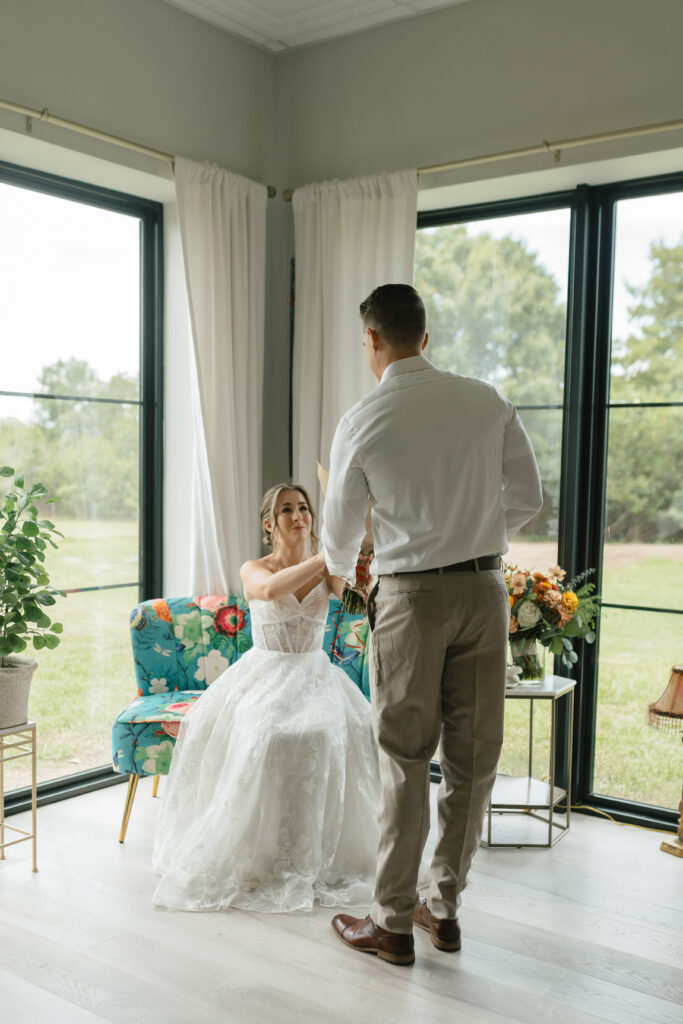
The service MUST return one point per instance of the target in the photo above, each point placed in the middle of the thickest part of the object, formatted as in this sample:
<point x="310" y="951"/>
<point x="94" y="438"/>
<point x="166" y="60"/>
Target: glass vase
<point x="529" y="656"/>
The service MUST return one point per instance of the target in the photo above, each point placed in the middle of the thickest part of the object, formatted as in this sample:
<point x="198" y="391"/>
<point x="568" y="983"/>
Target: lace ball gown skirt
<point x="271" y="802"/>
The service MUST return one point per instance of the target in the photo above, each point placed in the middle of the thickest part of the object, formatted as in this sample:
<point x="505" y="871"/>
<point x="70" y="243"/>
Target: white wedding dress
<point x="271" y="801"/>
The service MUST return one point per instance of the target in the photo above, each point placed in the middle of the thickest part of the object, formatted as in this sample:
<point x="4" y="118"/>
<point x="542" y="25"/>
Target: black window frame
<point x="151" y="405"/>
<point x="584" y="440"/>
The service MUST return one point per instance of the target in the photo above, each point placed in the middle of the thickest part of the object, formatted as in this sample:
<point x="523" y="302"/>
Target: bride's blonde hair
<point x="268" y="513"/>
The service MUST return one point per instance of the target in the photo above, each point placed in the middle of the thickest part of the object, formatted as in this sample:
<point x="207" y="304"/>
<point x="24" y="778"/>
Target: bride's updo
<point x="268" y="512"/>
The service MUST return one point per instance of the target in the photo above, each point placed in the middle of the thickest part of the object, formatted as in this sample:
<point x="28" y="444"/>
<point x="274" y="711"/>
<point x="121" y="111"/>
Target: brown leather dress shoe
<point x="444" y="932"/>
<point x="363" y="934"/>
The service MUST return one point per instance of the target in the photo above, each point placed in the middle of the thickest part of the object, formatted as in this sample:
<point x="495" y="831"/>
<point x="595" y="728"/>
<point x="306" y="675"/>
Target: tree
<point x="644" y="493"/>
<point x="86" y="452"/>
<point x="494" y="312"/>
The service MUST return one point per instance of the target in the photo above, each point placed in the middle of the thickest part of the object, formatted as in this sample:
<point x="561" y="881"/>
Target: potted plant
<point x="25" y="592"/>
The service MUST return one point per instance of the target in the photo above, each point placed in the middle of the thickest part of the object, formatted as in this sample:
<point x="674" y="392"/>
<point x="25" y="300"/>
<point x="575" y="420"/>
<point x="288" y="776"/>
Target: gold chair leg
<point x="130" y="797"/>
<point x="155" y="785"/>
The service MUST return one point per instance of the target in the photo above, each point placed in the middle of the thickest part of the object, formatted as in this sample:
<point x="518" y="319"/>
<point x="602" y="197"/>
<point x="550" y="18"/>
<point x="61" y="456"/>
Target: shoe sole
<point x="382" y="954"/>
<point x="445" y="947"/>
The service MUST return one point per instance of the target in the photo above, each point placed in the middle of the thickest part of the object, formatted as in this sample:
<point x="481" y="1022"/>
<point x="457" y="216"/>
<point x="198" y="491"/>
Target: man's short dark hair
<point x="396" y="312"/>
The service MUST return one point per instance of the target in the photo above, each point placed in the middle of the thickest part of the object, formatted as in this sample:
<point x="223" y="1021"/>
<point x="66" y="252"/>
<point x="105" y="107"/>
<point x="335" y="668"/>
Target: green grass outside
<point x="80" y="687"/>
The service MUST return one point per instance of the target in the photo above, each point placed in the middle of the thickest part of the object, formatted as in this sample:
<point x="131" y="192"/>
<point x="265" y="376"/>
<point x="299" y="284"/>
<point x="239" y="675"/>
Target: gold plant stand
<point x="18" y="741"/>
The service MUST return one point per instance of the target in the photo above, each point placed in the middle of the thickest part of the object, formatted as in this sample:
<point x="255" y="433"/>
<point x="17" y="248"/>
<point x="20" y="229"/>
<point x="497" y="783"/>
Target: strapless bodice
<point x="290" y="625"/>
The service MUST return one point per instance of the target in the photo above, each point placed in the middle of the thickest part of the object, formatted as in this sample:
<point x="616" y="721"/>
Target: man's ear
<point x="424" y="343"/>
<point x="374" y="338"/>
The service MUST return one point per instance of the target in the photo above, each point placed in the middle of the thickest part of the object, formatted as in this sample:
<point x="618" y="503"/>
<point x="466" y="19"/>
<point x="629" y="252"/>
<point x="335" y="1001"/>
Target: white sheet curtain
<point x="223" y="230"/>
<point x="350" y="237"/>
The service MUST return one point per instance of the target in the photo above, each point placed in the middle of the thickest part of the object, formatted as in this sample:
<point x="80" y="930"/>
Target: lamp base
<point x="674" y="846"/>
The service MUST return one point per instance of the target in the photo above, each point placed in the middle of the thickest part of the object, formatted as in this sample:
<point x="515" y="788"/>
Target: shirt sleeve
<point x="346" y="505"/>
<point x="522" y="491"/>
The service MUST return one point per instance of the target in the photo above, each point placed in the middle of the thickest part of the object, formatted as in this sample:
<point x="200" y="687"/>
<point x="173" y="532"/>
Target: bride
<point x="271" y="801"/>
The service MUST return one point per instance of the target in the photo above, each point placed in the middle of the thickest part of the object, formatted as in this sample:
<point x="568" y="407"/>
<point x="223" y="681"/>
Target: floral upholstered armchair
<point x="180" y="645"/>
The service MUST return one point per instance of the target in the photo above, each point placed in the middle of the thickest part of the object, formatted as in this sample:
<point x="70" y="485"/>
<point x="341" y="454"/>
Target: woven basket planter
<point x="15" y="685"/>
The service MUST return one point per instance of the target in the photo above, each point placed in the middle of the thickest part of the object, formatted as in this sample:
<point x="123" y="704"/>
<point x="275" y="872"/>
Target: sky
<point x="69" y="287"/>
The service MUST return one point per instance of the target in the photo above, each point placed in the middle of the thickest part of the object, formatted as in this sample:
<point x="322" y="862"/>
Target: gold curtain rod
<point x="93" y="133"/>
<point x="544" y="147"/>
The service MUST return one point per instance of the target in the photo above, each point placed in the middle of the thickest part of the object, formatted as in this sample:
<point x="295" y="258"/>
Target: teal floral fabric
<point x="180" y="645"/>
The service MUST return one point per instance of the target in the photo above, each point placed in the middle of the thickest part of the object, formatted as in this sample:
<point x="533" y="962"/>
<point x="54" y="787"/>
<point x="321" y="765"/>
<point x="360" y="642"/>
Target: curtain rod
<point x="72" y="126"/>
<point x="544" y="147"/>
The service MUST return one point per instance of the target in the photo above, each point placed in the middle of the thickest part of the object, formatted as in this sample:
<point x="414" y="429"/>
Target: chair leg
<point x="155" y="785"/>
<point x="130" y="797"/>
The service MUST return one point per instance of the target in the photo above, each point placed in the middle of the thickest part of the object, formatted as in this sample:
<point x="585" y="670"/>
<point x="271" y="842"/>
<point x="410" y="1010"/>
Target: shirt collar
<point x="409" y="365"/>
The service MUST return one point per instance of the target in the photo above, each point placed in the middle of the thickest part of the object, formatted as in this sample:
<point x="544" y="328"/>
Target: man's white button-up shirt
<point x="447" y="466"/>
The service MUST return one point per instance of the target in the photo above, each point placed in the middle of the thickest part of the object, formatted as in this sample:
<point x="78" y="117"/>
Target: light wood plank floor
<point x="588" y="931"/>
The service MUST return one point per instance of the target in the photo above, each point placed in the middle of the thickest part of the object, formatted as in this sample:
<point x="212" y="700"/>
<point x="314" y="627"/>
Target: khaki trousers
<point x="437" y="675"/>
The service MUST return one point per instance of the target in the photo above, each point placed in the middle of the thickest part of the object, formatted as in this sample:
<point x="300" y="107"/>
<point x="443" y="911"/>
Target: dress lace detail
<point x="272" y="798"/>
<point x="290" y="625"/>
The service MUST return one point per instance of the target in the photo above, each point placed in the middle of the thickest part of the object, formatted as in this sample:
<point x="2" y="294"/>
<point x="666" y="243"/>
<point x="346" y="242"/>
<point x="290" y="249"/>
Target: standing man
<point x="451" y="475"/>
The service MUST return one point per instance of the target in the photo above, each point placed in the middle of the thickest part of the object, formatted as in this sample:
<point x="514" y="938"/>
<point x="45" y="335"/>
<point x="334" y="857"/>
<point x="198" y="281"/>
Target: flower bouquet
<point x="545" y="610"/>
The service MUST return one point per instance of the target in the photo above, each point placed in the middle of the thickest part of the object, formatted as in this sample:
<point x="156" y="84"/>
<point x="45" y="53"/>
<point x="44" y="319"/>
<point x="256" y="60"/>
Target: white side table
<point x="18" y="741"/>
<point x="526" y="795"/>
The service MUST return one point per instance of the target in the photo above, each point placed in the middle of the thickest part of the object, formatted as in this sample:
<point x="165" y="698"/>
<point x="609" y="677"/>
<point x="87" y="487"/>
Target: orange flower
<point x="514" y="624"/>
<point x="162" y="610"/>
<point x="512" y="601"/>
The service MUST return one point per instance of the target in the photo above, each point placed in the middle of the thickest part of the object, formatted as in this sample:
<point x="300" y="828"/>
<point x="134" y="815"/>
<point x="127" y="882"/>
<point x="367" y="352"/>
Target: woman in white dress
<point x="271" y="801"/>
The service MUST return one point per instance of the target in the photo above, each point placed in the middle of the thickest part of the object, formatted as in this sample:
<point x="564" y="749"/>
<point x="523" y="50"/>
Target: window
<point x="80" y="410"/>
<point x="571" y="305"/>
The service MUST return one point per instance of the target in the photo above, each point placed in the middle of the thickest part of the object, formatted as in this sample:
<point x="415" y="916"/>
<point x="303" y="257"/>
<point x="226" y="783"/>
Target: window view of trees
<point x="87" y="451"/>
<point x="495" y="311"/>
<point x="70" y="415"/>
<point x="495" y="293"/>
<point x="643" y="534"/>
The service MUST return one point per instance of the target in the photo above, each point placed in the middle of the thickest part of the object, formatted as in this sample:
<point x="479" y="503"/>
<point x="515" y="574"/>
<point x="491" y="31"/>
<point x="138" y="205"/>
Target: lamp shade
<point x="667" y="712"/>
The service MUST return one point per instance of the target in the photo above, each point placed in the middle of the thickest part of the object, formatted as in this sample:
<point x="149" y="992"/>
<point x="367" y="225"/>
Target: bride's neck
<point x="288" y="556"/>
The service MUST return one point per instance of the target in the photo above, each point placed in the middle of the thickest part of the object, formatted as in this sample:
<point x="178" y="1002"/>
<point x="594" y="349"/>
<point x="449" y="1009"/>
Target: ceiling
<point x="279" y="25"/>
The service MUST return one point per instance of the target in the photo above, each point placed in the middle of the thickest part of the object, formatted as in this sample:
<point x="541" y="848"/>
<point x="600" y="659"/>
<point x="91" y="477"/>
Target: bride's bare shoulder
<point x="254" y="572"/>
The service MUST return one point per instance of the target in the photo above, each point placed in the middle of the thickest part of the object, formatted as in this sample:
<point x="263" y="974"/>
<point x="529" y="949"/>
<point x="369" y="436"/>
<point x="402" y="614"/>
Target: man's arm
<point x="522" y="492"/>
<point x="346" y="505"/>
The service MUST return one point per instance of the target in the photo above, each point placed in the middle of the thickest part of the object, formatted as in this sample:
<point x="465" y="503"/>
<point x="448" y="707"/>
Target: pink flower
<point x="517" y="583"/>
<point x="514" y="624"/>
<point x="552" y="597"/>
<point x="209" y="602"/>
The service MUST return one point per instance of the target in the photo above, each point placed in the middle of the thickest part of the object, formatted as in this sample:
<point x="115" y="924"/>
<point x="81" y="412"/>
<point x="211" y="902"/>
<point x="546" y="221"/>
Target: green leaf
<point x="45" y="598"/>
<point x="46" y="524"/>
<point x="19" y="480"/>
<point x="52" y="641"/>
<point x="39" y="642"/>
<point x="57" y="627"/>
<point x="6" y="471"/>
<point x="30" y="529"/>
<point x="590" y="637"/>
<point x="5" y="643"/>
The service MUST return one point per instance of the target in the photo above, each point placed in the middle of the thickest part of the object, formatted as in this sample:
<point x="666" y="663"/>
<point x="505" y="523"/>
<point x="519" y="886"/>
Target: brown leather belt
<point x="471" y="565"/>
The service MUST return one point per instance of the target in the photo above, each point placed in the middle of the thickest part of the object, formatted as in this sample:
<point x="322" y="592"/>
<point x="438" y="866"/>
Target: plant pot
<point x="529" y="656"/>
<point x="15" y="685"/>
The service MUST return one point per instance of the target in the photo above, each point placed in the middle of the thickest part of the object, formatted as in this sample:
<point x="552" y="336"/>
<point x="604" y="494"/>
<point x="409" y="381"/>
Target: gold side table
<point x="527" y="796"/>
<point x="18" y="741"/>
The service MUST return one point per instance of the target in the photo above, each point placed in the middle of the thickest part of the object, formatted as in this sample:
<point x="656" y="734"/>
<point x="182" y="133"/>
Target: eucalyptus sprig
<point x="25" y="589"/>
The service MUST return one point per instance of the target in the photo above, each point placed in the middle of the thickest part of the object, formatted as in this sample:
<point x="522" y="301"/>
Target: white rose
<point x="528" y="615"/>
